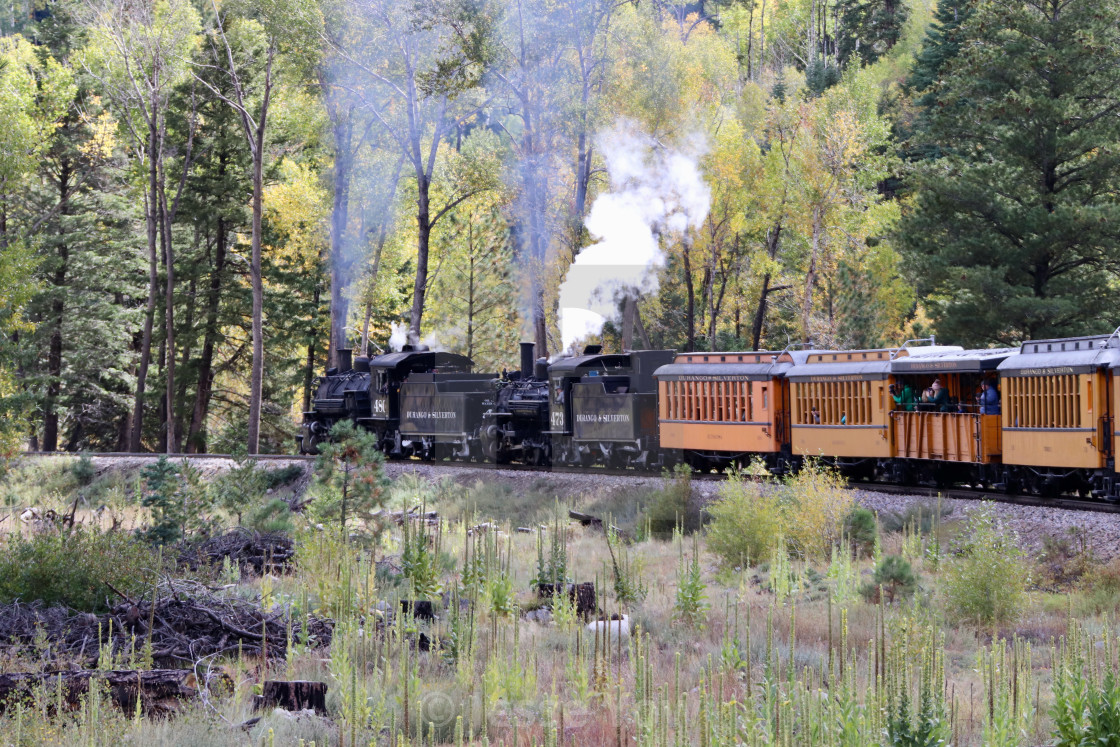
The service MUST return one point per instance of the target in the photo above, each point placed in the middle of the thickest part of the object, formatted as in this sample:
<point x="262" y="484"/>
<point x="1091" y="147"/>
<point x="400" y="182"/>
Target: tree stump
<point x="293" y="695"/>
<point x="582" y="596"/>
<point x="421" y="609"/>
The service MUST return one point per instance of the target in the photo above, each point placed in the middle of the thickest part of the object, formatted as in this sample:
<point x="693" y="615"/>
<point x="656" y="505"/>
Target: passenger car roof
<point x="858" y="364"/>
<point x="750" y="365"/>
<point x="1068" y="355"/>
<point x="953" y="361"/>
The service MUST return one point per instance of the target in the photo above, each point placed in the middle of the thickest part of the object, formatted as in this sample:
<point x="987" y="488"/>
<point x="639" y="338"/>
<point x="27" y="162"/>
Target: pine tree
<point x="941" y="45"/>
<point x="1013" y="233"/>
<point x="869" y="28"/>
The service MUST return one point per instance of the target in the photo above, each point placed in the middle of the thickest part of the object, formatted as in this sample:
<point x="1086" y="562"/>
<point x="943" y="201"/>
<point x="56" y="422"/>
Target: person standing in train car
<point x="904" y="398"/>
<point x="989" y="398"/>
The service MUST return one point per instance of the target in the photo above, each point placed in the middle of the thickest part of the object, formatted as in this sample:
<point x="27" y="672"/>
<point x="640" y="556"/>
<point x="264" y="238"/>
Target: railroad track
<point x="152" y="455"/>
<point x="1063" y="502"/>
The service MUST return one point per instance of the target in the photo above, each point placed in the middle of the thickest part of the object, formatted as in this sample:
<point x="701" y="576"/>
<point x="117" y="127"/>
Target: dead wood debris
<point x="254" y="552"/>
<point x="160" y="691"/>
<point x="189" y="621"/>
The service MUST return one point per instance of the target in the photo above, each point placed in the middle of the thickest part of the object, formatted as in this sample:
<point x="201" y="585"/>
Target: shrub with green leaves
<point x="83" y="470"/>
<point x="746" y="521"/>
<point x="690" y="604"/>
<point x="350" y="479"/>
<point x="672" y="506"/>
<point x="271" y="516"/>
<point x="807" y="509"/>
<point x="75" y="569"/>
<point x="1086" y="706"/>
<point x="894" y="578"/>
<point x="179" y="501"/>
<point x="239" y="489"/>
<point x="985" y="579"/>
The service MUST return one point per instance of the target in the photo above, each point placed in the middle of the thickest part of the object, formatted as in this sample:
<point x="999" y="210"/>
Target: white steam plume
<point x="654" y="191"/>
<point x="398" y="336"/>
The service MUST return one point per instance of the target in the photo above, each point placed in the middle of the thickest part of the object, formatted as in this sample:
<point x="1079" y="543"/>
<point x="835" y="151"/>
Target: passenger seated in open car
<point x="936" y="398"/>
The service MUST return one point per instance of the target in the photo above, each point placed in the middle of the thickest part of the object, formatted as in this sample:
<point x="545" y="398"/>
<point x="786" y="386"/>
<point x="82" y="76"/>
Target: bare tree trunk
<point x="340" y="214"/>
<point x="185" y="356"/>
<point x="196" y="442"/>
<point x="169" y="318"/>
<point x="690" y="308"/>
<point x="632" y="327"/>
<point x="470" y="292"/>
<point x="58" y="311"/>
<point x="811" y="276"/>
<point x="423" y="235"/>
<point x="760" y="313"/>
<point x="773" y="240"/>
<point x="379" y="248"/>
<point x="153" y="289"/>
<point x="309" y="366"/>
<point x="256" y="382"/>
<point x="750" y="42"/>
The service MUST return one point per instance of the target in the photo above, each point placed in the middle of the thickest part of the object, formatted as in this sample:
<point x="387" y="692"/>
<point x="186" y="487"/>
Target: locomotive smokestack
<point x="345" y="362"/>
<point x="526" y="360"/>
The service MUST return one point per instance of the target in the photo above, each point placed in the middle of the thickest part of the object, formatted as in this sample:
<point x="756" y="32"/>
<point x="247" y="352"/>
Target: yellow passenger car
<point x="840" y="403"/>
<point x="1057" y="419"/>
<point x="960" y="429"/>
<point x="722" y="407"/>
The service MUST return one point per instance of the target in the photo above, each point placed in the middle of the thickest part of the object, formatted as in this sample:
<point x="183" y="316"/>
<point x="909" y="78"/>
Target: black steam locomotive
<point x="594" y="408"/>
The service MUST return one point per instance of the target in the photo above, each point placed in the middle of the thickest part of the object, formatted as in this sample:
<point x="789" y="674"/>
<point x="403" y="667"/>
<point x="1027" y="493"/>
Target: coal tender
<point x="441" y="413"/>
<point x="603" y="408"/>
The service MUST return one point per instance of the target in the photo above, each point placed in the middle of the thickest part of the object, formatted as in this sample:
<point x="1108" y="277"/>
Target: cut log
<point x="161" y="691"/>
<point x="293" y="695"/>
<point x="585" y="519"/>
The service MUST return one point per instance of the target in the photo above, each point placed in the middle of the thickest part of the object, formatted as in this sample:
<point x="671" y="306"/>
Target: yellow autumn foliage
<point x="806" y="511"/>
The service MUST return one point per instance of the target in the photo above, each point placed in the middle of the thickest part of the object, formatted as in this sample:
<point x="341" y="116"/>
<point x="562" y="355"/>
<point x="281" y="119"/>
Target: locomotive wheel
<point x="489" y="445"/>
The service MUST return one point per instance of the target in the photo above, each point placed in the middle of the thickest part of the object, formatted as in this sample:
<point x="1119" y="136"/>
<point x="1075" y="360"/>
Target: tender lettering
<point x="601" y="418"/>
<point x="431" y="415"/>
<point x="930" y="366"/>
<point x="712" y="377"/>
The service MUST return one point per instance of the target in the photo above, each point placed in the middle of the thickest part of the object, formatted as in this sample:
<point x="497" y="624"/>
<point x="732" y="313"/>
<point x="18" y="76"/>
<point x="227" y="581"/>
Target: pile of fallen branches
<point x="254" y="552"/>
<point x="186" y="622"/>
